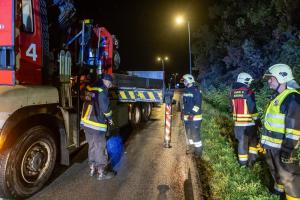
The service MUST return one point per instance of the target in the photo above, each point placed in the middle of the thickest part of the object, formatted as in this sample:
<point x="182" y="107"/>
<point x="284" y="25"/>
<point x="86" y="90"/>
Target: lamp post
<point x="162" y="60"/>
<point x="181" y="20"/>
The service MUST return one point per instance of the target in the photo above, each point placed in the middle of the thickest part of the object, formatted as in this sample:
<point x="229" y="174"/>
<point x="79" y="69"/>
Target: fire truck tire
<point x="146" y="111"/>
<point x="136" y="115"/>
<point x="27" y="166"/>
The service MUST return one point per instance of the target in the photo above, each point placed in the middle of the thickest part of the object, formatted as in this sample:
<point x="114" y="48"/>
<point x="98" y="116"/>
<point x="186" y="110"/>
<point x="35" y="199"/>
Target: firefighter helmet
<point x="244" y="78"/>
<point x="188" y="78"/>
<point x="282" y="72"/>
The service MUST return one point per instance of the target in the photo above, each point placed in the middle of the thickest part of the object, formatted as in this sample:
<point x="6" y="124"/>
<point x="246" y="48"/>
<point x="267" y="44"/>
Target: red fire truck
<point x="41" y="66"/>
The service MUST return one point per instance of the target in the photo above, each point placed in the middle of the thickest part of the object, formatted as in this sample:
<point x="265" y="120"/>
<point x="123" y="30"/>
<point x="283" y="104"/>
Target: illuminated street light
<point x="181" y="20"/>
<point x="162" y="60"/>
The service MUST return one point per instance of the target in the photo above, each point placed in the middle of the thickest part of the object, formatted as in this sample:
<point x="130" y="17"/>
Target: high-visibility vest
<point x="241" y="115"/>
<point x="275" y="122"/>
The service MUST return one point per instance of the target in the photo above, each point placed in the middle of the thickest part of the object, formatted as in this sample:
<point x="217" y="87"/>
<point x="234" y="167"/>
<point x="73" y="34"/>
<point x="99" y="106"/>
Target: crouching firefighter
<point x="281" y="132"/>
<point x="96" y="113"/>
<point x="245" y="119"/>
<point x="191" y="111"/>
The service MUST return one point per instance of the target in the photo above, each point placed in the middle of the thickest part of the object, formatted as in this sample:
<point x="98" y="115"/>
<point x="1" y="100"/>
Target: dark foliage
<point x="246" y="36"/>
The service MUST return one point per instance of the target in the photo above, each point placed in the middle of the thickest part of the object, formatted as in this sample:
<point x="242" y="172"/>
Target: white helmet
<point x="244" y="78"/>
<point x="188" y="78"/>
<point x="282" y="72"/>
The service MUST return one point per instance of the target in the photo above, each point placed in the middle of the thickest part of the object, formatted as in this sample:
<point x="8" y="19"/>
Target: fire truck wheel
<point x="146" y="111"/>
<point x="136" y="115"/>
<point x="28" y="164"/>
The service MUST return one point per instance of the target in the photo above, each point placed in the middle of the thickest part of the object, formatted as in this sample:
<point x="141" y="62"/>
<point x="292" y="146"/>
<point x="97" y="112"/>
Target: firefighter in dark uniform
<point x="96" y="113"/>
<point x="191" y="111"/>
<point x="281" y="132"/>
<point x="245" y="117"/>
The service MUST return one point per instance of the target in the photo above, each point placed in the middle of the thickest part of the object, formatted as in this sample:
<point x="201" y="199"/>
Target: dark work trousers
<point x="285" y="174"/>
<point x="247" y="142"/>
<point x="97" y="147"/>
<point x="192" y="129"/>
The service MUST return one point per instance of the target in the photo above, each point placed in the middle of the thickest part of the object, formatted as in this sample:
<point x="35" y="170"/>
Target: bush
<point x="218" y="98"/>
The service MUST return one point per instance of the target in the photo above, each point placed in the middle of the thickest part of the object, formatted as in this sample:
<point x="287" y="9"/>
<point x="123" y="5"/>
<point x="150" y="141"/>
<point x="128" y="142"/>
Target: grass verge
<point x="220" y="174"/>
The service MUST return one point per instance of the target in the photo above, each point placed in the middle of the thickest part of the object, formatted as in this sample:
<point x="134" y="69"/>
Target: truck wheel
<point x="136" y="115"/>
<point x="146" y="111"/>
<point x="26" y="167"/>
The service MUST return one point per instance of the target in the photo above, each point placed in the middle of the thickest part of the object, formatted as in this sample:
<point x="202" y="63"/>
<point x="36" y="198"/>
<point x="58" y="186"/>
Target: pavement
<point x="146" y="171"/>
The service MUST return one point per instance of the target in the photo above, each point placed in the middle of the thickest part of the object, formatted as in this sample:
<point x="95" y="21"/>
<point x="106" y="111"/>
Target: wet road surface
<point x="146" y="170"/>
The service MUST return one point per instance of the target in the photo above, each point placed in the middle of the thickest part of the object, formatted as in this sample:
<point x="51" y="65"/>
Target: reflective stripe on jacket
<point x="192" y="100"/>
<point x="279" y="127"/>
<point x="243" y="105"/>
<point x="96" y="111"/>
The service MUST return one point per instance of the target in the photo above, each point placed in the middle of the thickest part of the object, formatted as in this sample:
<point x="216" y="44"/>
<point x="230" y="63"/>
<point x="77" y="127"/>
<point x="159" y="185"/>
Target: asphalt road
<point x="146" y="170"/>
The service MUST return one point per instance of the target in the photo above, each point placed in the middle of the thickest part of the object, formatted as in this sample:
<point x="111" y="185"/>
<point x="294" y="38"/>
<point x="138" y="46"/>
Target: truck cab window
<point x="27" y="17"/>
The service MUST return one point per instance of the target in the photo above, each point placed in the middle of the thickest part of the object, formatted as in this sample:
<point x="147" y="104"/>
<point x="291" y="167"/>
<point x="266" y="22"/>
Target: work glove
<point x="258" y="123"/>
<point x="260" y="149"/>
<point x="229" y="109"/>
<point x="191" y="117"/>
<point x="111" y="122"/>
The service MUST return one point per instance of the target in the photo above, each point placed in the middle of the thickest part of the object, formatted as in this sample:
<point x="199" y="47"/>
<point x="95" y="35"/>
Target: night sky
<point x="146" y="29"/>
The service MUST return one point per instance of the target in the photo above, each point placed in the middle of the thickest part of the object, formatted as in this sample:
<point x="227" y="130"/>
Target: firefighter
<point x="96" y="113"/>
<point x="245" y="119"/>
<point x="191" y="111"/>
<point x="281" y="132"/>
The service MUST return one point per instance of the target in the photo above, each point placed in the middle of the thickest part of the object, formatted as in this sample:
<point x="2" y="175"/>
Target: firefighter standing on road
<point x="96" y="113"/>
<point x="245" y="119"/>
<point x="191" y="111"/>
<point x="281" y="132"/>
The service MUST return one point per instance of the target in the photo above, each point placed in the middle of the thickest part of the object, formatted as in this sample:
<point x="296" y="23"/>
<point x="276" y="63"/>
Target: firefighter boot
<point x="92" y="170"/>
<point x="104" y="174"/>
<point x="198" y="152"/>
<point x="167" y="144"/>
<point x="190" y="149"/>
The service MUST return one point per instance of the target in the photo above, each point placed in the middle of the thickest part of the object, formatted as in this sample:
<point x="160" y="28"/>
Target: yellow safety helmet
<point x="244" y="78"/>
<point x="188" y="78"/>
<point x="282" y="72"/>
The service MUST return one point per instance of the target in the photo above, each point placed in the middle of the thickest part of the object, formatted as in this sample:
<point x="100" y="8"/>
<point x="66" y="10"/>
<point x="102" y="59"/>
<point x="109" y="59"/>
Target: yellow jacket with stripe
<point x="282" y="122"/>
<point x="96" y="110"/>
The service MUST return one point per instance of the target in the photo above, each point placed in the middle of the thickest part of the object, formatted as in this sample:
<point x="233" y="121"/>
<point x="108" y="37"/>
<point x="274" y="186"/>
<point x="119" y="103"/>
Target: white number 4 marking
<point x="31" y="51"/>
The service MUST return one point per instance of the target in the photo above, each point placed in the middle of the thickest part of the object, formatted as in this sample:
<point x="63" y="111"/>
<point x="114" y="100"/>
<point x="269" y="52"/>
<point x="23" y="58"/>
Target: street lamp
<point x="162" y="60"/>
<point x="181" y="20"/>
